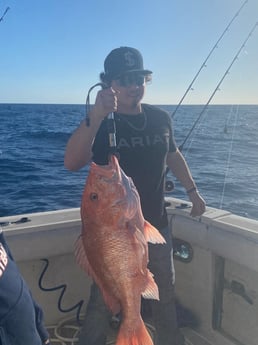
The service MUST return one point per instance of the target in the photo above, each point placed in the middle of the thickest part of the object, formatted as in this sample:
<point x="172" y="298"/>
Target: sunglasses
<point x="131" y="79"/>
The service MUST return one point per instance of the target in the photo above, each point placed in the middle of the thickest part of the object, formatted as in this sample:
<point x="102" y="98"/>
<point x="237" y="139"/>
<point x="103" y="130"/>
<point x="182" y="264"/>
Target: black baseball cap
<point x="123" y="60"/>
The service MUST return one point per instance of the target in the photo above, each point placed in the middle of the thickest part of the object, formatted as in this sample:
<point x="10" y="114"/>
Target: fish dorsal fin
<point x="151" y="291"/>
<point x="151" y="234"/>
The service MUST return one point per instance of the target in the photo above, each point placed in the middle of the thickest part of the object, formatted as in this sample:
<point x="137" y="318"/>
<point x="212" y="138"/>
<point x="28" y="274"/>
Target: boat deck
<point x="66" y="332"/>
<point x="216" y="264"/>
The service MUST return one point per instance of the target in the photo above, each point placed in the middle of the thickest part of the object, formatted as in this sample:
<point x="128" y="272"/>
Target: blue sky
<point x="52" y="51"/>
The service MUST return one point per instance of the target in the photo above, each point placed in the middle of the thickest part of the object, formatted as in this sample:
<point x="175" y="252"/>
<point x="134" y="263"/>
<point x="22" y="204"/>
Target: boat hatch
<point x="235" y="304"/>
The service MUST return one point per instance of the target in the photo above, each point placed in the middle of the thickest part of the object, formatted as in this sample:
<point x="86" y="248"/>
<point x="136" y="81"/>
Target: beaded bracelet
<point x="193" y="189"/>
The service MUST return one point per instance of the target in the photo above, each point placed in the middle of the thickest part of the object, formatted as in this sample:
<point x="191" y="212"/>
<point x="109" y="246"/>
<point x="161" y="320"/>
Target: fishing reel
<point x="169" y="186"/>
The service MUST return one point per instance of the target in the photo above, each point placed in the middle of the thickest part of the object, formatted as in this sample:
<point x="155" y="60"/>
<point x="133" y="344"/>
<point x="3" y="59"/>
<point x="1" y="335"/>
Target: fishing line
<point x="229" y="157"/>
<point x="194" y="136"/>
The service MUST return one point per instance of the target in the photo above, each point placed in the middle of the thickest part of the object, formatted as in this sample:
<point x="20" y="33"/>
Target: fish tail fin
<point x="151" y="234"/>
<point x="139" y="336"/>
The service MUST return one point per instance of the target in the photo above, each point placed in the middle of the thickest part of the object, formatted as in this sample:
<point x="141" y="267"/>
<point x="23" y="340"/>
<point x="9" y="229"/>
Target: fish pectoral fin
<point x="152" y="235"/>
<point x="151" y="291"/>
<point x="82" y="260"/>
<point x="81" y="257"/>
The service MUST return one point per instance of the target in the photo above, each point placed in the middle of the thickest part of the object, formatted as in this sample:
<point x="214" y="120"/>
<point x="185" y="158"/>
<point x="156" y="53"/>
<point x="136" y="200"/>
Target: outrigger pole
<point x="2" y="18"/>
<point x="218" y="86"/>
<point x="205" y="61"/>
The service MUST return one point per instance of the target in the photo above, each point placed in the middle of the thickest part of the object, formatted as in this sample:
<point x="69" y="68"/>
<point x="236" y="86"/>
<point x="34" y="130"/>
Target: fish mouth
<point x="110" y="172"/>
<point x="113" y="161"/>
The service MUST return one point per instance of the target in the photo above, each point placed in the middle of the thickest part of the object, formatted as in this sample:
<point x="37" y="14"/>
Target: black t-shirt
<point x="143" y="142"/>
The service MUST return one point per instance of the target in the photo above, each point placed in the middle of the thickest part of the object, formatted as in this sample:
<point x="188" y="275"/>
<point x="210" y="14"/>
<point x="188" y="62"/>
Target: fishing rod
<point x="207" y="58"/>
<point x="111" y="126"/>
<point x="2" y="18"/>
<point x="218" y="86"/>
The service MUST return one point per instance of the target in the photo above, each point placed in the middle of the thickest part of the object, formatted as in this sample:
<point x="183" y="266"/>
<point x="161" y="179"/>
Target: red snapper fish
<point x="113" y="250"/>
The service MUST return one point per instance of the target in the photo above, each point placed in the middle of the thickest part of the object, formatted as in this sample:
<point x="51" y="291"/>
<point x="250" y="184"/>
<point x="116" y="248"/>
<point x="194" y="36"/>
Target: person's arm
<point x="178" y="166"/>
<point x="78" y="150"/>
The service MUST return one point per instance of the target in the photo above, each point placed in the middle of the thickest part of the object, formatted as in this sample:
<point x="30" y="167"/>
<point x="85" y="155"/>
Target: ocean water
<point x="221" y="153"/>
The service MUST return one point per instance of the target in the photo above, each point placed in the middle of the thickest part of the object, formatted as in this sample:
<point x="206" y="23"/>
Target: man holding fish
<point x="117" y="219"/>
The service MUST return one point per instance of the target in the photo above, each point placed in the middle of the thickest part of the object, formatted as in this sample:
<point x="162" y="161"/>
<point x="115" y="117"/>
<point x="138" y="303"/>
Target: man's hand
<point x="199" y="206"/>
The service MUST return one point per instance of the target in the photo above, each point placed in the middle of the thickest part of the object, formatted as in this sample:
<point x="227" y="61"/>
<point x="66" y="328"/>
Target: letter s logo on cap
<point x="129" y="59"/>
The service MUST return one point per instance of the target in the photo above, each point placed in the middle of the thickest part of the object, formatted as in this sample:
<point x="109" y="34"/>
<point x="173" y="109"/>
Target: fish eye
<point x="93" y="196"/>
